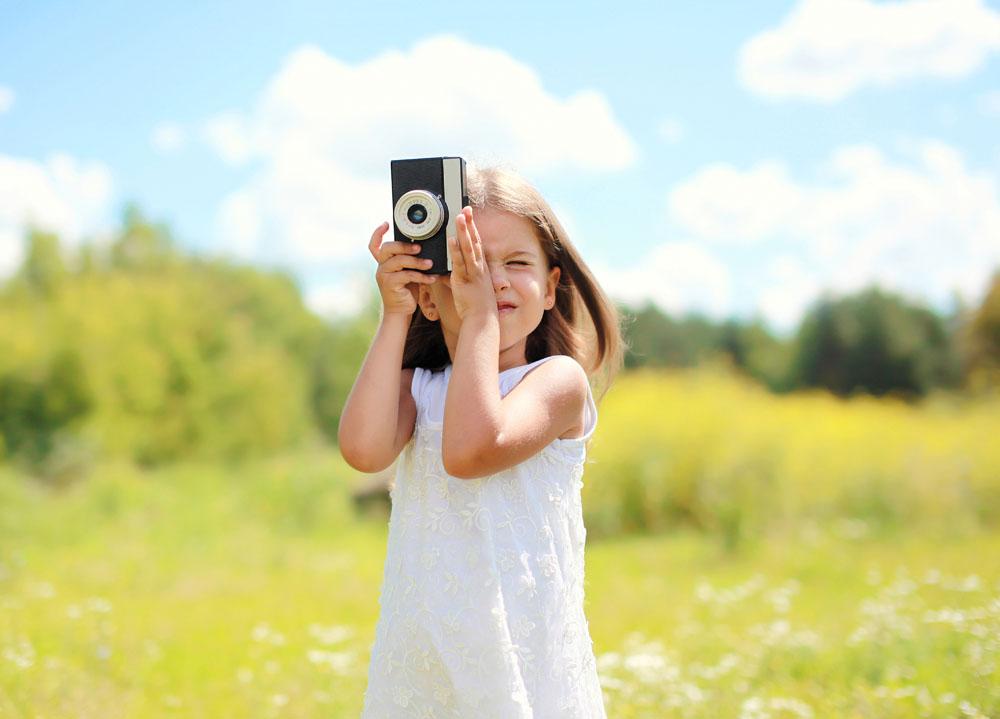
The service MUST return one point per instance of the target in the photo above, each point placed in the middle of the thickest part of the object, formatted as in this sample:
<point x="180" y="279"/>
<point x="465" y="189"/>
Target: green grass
<point x="251" y="591"/>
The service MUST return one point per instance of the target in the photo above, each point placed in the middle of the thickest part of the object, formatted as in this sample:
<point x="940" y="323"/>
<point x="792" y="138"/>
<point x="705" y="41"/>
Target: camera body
<point x="428" y="193"/>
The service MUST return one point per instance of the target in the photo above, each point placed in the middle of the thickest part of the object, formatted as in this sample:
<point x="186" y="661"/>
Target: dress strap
<point x="510" y="378"/>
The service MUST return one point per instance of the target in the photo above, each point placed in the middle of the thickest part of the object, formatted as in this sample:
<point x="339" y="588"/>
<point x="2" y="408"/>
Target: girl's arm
<point x="378" y="417"/>
<point x="483" y="433"/>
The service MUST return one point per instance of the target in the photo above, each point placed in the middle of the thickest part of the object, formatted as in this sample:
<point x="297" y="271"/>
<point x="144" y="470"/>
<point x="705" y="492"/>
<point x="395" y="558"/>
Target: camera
<point x="428" y="193"/>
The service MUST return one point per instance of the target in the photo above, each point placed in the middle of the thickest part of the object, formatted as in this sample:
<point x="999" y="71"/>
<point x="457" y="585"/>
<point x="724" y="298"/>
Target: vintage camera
<point x="427" y="195"/>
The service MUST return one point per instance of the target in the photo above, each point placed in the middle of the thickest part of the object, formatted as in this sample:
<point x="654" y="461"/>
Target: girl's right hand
<point x="397" y="284"/>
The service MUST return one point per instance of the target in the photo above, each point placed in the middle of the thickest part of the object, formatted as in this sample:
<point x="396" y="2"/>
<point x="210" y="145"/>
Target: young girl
<point x="484" y="390"/>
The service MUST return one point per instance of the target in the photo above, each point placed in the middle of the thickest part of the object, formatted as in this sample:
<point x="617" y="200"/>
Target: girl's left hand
<point x="471" y="282"/>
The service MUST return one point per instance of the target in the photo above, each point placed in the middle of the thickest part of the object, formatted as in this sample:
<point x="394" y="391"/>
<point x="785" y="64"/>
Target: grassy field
<point x="252" y="592"/>
<point x="749" y="556"/>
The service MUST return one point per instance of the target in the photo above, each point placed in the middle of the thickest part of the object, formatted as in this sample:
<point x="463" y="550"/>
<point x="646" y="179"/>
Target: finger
<point x="398" y="262"/>
<point x="390" y="249"/>
<point x="457" y="259"/>
<point x="414" y="276"/>
<point x="477" y="242"/>
<point x="376" y="241"/>
<point x="474" y="243"/>
<point x="465" y="240"/>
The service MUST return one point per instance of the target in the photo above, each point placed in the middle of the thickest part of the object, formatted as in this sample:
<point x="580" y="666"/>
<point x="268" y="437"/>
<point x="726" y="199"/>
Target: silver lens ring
<point x="431" y="224"/>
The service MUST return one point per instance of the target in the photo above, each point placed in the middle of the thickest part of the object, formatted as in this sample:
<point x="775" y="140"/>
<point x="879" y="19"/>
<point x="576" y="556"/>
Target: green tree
<point x="656" y="339"/>
<point x="146" y="352"/>
<point x="142" y="244"/>
<point x="43" y="270"/>
<point x="874" y="342"/>
<point x="337" y="361"/>
<point x="755" y="351"/>
<point x="659" y="340"/>
<point x="36" y="404"/>
<point x="982" y="337"/>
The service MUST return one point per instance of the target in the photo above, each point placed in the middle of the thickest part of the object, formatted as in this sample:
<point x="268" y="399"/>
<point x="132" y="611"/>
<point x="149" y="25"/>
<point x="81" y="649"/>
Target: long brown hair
<point x="584" y="323"/>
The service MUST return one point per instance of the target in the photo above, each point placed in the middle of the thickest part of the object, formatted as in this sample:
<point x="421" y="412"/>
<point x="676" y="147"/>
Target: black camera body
<point x="428" y="193"/>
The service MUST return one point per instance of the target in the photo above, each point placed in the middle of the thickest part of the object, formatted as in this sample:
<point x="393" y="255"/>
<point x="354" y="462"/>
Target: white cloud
<point x="61" y="195"/>
<point x="168" y="137"/>
<point x="321" y="135"/>
<point x="11" y="251"/>
<point x="6" y="99"/>
<point x="788" y="289"/>
<point x="826" y="49"/>
<point x="679" y="277"/>
<point x="722" y="202"/>
<point x="304" y="210"/>
<point x="927" y="228"/>
<point x="242" y="220"/>
<point x="228" y="136"/>
<point x="343" y="298"/>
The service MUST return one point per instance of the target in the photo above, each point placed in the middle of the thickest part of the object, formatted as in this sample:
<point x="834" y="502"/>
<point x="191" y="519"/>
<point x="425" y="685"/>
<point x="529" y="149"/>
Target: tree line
<point x="872" y="341"/>
<point x="134" y="348"/>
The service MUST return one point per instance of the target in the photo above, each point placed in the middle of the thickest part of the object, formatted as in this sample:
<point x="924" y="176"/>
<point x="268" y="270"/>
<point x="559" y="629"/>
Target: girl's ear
<point x="427" y="304"/>
<point x="550" y="287"/>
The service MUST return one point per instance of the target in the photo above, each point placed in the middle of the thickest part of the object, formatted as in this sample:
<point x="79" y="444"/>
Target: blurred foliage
<point x="38" y="403"/>
<point x="142" y="352"/>
<point x="874" y="342"/>
<point x="707" y="449"/>
<point x="982" y="340"/>
<point x="659" y="340"/>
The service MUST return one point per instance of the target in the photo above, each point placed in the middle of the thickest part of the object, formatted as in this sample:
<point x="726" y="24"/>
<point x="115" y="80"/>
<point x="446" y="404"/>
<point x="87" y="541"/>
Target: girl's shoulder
<point x="562" y="381"/>
<point x="429" y="386"/>
<point x="554" y="367"/>
<point x="562" y="363"/>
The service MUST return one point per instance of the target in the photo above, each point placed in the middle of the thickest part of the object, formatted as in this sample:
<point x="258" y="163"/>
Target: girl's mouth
<point x="505" y="307"/>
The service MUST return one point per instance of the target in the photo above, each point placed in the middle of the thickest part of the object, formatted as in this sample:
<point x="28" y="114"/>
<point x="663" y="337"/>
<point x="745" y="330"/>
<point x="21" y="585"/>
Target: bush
<point x="707" y="449"/>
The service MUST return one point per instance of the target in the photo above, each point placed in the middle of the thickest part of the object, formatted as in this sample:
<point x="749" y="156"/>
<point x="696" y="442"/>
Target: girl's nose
<point x="500" y="281"/>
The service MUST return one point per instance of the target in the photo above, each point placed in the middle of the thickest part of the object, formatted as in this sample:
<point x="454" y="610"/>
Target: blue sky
<point x="729" y="158"/>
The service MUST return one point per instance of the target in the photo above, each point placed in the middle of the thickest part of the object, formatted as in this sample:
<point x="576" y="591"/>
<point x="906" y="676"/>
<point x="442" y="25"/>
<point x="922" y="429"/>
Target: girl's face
<point x="524" y="285"/>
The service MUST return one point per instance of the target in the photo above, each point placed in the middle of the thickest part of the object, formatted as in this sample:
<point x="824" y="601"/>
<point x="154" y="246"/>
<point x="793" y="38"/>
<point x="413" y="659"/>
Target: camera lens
<point x="416" y="214"/>
<point x="419" y="214"/>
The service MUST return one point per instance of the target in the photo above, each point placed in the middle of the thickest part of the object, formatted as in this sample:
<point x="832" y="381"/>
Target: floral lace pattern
<point x="482" y="598"/>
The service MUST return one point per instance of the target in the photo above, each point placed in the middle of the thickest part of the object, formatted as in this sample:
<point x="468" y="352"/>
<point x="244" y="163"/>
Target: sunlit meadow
<point x="750" y="556"/>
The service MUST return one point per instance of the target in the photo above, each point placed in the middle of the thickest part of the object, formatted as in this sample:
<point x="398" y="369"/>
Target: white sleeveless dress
<point x="482" y="598"/>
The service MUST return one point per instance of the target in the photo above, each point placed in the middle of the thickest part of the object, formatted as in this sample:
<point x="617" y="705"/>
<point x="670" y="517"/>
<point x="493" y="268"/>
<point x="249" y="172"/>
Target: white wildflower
<point x="330" y="635"/>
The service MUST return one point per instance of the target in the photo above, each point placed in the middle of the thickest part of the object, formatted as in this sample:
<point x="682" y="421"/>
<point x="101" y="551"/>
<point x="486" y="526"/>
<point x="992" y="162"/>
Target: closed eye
<point x="518" y="262"/>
